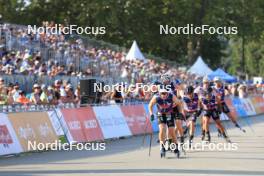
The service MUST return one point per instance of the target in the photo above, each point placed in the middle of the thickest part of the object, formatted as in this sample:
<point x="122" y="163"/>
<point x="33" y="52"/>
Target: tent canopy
<point x="134" y="53"/>
<point x="200" y="68"/>
<point x="223" y="75"/>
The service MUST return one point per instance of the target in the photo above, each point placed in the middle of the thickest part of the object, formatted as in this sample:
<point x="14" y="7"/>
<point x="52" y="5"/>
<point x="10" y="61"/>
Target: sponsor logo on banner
<point x="55" y="123"/>
<point x="112" y="121"/>
<point x="248" y="106"/>
<point x="231" y="107"/>
<point x="9" y="143"/>
<point x="136" y="119"/>
<point x="26" y="132"/>
<point x="90" y="124"/>
<point x="258" y="103"/>
<point x="74" y="125"/>
<point x="82" y="124"/>
<point x="32" y="127"/>
<point x="44" y="130"/>
<point x="5" y="137"/>
<point x="239" y="107"/>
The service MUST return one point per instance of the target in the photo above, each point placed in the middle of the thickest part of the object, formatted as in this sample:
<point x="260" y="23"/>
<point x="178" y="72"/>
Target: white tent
<point x="200" y="68"/>
<point x="134" y="53"/>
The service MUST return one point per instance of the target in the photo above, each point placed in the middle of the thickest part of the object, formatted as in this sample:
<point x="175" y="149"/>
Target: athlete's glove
<point x="152" y="117"/>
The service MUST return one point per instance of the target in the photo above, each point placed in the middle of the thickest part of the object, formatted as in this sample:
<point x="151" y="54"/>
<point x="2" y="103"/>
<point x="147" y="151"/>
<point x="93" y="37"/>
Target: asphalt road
<point x="128" y="157"/>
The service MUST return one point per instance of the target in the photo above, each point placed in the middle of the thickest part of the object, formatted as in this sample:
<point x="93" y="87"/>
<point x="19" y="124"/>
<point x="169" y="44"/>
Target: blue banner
<point x="155" y="124"/>
<point x="239" y="107"/>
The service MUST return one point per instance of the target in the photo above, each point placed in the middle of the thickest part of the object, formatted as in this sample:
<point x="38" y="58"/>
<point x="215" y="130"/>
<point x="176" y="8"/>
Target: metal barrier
<point x="48" y="107"/>
<point x="26" y="82"/>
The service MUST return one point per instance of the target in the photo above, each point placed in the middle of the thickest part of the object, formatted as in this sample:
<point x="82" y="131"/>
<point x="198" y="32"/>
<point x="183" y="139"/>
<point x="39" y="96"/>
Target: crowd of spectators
<point x="68" y="57"/>
<point x="58" y="93"/>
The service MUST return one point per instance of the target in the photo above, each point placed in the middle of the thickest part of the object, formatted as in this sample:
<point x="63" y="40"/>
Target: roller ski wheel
<point x="190" y="144"/>
<point x="168" y="143"/>
<point x="162" y="153"/>
<point x="208" y="139"/>
<point x="239" y="127"/>
<point x="177" y="153"/>
<point x="227" y="140"/>
<point x="202" y="137"/>
<point x="243" y="130"/>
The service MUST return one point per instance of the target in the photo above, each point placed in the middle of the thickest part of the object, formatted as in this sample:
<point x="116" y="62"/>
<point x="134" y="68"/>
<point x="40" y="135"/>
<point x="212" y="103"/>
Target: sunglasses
<point x="164" y="93"/>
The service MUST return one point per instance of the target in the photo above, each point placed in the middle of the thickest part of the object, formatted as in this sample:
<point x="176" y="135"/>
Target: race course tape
<point x="87" y="124"/>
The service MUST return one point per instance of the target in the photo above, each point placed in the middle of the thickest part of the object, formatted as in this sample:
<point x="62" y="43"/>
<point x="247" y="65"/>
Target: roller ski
<point x="208" y="137"/>
<point x="185" y="132"/>
<point x="239" y="127"/>
<point x="191" y="141"/>
<point x="177" y="152"/>
<point x="219" y="134"/>
<point x="181" y="145"/>
<point x="203" y="135"/>
<point x="226" y="138"/>
<point x="162" y="152"/>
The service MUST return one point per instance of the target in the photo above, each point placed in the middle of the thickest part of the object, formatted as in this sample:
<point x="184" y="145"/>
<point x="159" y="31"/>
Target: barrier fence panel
<point x="32" y="128"/>
<point x="137" y="119"/>
<point x="91" y="123"/>
<point x="155" y="124"/>
<point x="9" y="143"/>
<point x="55" y="123"/>
<point x="82" y="124"/>
<point x="112" y="121"/>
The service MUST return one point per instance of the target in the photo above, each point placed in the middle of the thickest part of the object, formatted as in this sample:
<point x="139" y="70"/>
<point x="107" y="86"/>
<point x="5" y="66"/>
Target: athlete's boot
<point x="203" y="135"/>
<point x="226" y="137"/>
<point x="169" y="141"/>
<point x="208" y="136"/>
<point x="177" y="151"/>
<point x="182" y="140"/>
<point x="219" y="133"/>
<point x="162" y="152"/>
<point x="185" y="131"/>
<point x="238" y="126"/>
<point x="190" y="141"/>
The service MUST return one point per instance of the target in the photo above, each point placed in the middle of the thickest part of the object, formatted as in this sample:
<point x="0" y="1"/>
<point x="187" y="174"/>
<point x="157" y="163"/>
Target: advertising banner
<point x="248" y="106"/>
<point x="112" y="121"/>
<point x="32" y="128"/>
<point x="258" y="103"/>
<point x="9" y="143"/>
<point x="63" y="124"/>
<point x="136" y="118"/>
<point x="55" y="123"/>
<point x="83" y="124"/>
<point x="231" y="107"/>
<point x="239" y="107"/>
<point x="155" y="124"/>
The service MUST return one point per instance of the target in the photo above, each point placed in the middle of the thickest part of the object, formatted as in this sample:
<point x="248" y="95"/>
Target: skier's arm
<point x="151" y="104"/>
